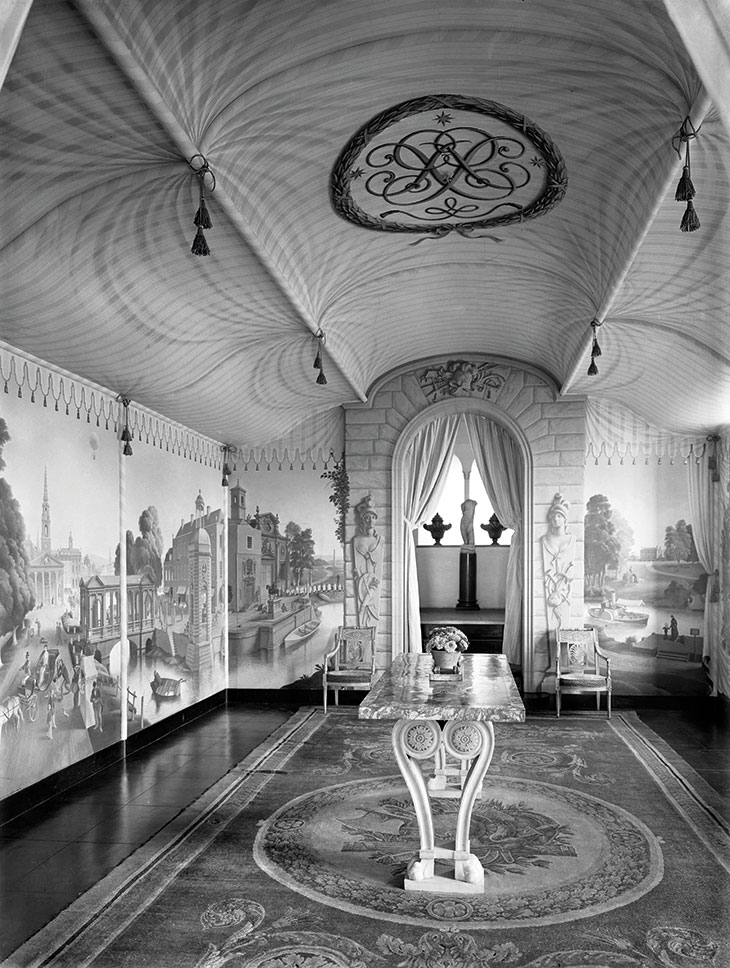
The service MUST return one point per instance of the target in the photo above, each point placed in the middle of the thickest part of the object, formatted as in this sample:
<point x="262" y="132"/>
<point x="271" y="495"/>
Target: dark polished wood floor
<point x="54" y="852"/>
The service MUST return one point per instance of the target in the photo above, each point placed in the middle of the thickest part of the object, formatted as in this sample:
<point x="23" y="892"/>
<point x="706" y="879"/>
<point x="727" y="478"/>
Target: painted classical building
<point x="245" y="576"/>
<point x="176" y="575"/>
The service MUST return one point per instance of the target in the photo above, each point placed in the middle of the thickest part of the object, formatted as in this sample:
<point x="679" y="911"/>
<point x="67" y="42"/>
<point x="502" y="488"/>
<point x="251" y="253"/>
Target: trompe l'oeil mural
<point x="286" y="578"/>
<point x="66" y="681"/>
<point x="644" y="587"/>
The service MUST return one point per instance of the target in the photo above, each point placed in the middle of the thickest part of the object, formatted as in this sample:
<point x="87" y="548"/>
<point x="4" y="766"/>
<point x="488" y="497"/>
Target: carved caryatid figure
<point x="558" y="562"/>
<point x="367" y="558"/>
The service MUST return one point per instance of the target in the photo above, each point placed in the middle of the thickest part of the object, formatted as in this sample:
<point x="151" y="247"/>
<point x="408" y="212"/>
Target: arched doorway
<point x="402" y="619"/>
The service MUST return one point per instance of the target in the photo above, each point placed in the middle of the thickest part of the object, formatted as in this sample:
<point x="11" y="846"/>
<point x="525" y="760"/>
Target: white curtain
<point x="707" y="509"/>
<point x="500" y="466"/>
<point x="425" y="468"/>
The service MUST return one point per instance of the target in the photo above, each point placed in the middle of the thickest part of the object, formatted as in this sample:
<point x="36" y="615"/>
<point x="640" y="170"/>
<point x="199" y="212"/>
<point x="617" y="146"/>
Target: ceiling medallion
<point x="445" y="163"/>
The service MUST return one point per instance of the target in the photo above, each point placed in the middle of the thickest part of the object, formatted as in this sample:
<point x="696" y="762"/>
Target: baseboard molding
<point x="716" y="707"/>
<point x="63" y="780"/>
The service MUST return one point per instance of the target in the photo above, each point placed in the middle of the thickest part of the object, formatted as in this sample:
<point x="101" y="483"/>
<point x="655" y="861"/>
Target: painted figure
<point x="98" y="707"/>
<point x="673" y="629"/>
<point x="558" y="559"/>
<point x="58" y="691"/>
<point x="467" y="522"/>
<point x="51" y="714"/>
<point x="367" y="557"/>
<point x="75" y="685"/>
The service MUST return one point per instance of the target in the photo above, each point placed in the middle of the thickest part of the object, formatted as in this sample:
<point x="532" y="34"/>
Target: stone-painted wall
<point x="553" y="440"/>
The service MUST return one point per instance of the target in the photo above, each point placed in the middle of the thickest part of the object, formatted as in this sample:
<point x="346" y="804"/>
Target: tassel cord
<point x="685" y="188"/>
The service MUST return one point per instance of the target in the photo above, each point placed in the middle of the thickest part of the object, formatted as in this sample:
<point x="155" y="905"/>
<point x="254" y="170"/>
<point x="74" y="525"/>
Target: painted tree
<point x="602" y="547"/>
<point x="624" y="534"/>
<point x="16" y="593"/>
<point x="679" y="544"/>
<point x="693" y="556"/>
<point x="301" y="550"/>
<point x="144" y="553"/>
<point x="130" y="555"/>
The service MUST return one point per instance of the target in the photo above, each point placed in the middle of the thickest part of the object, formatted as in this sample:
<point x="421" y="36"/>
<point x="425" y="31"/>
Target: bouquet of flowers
<point x="447" y="638"/>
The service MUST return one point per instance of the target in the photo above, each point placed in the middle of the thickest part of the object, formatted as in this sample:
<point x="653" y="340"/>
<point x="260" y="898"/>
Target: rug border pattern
<point x="105" y="910"/>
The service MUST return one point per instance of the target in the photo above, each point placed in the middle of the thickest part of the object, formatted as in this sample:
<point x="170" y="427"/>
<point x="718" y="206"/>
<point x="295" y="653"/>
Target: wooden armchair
<point x="578" y="666"/>
<point x="351" y="662"/>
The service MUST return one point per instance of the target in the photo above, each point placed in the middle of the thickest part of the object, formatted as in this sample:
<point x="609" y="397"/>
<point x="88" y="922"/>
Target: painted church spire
<point x="45" y="515"/>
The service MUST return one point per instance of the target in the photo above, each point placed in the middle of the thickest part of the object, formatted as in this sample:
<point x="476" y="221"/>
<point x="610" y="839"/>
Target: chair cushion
<point x="351" y="675"/>
<point x="582" y="679"/>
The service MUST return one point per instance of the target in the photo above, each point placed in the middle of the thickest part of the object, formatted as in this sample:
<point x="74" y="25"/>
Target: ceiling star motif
<point x="477" y="165"/>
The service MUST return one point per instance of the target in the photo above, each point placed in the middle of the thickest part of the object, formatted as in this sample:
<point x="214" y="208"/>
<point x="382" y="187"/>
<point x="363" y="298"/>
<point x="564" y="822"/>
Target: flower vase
<point x="445" y="661"/>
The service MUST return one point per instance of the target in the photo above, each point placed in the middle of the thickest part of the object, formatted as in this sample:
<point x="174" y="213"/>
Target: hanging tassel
<point x="200" y="246"/>
<point x="690" y="220"/>
<point x="202" y="219"/>
<point x="202" y="216"/>
<point x="685" y="189"/>
<point x="321" y="340"/>
<point x="126" y="435"/>
<point x="595" y="348"/>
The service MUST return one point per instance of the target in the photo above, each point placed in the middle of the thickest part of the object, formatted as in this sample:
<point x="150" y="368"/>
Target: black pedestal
<point x="468" y="580"/>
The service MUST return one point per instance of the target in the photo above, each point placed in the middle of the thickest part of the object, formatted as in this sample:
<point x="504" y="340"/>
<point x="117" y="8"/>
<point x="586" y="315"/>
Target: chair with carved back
<point x="350" y="664"/>
<point x="581" y="667"/>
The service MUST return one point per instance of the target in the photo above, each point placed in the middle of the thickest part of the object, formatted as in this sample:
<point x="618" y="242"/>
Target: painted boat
<point x="619" y="615"/>
<point x="302" y="633"/>
<point x="166" y="688"/>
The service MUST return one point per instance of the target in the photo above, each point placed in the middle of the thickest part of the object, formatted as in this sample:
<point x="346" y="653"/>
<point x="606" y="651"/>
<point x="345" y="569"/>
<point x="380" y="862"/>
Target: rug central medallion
<point x="444" y="163"/>
<point x="549" y="854"/>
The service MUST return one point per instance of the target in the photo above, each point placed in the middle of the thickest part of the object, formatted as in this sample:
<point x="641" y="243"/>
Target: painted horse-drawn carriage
<point x="13" y="708"/>
<point x="28" y="695"/>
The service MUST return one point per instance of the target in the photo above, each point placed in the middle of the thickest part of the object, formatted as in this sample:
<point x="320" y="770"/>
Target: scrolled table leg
<point x="413" y="740"/>
<point x="472" y="740"/>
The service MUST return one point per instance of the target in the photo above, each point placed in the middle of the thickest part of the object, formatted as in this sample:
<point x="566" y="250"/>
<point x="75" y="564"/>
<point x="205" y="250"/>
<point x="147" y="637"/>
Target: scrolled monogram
<point x="447" y="163"/>
<point x="463" y="173"/>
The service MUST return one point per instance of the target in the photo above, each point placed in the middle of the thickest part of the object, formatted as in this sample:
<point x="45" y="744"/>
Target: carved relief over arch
<point x="458" y="378"/>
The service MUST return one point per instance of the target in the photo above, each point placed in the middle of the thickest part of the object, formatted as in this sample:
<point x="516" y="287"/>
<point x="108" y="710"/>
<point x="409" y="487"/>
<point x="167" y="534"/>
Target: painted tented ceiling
<point x="107" y="108"/>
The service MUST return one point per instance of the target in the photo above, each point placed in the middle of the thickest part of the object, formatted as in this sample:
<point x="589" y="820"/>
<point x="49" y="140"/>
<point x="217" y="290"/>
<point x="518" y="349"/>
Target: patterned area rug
<point x="601" y="849"/>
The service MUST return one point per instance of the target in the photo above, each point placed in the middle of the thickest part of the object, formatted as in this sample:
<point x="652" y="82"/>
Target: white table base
<point x="471" y="742"/>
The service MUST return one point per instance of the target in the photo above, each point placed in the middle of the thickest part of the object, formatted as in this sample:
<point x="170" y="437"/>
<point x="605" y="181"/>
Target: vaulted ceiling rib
<point x="156" y="104"/>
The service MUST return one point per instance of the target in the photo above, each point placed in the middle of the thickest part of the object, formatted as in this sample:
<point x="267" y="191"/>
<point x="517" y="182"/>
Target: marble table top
<point x="487" y="691"/>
